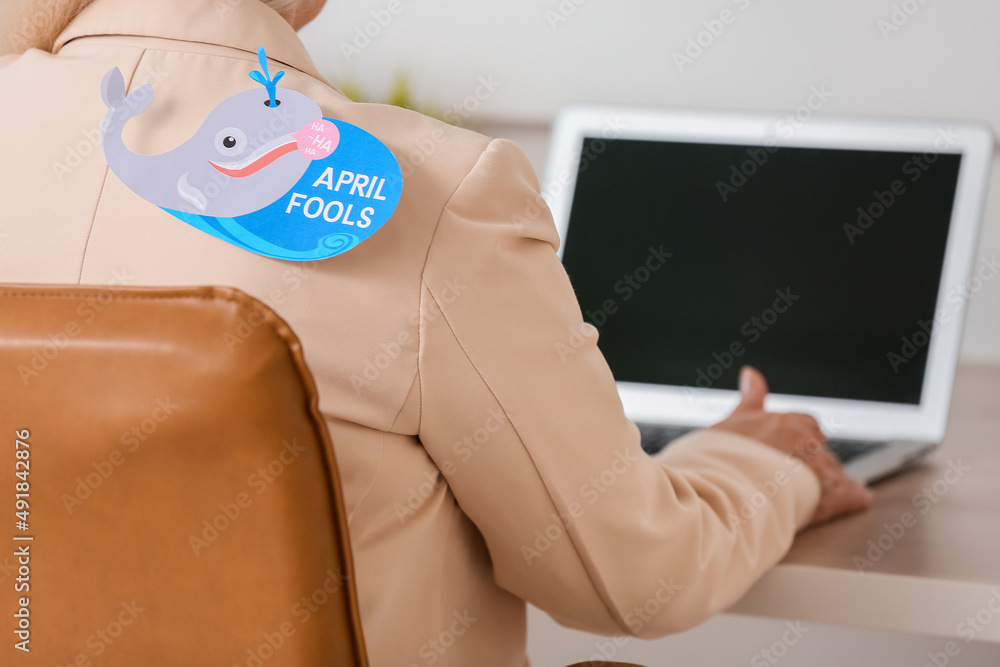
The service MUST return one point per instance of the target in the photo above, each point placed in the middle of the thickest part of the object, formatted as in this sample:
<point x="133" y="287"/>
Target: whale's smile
<point x="259" y="159"/>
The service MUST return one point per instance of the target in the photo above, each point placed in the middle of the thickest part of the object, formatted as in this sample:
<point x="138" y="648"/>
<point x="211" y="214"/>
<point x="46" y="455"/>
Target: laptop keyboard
<point x="657" y="436"/>
<point x="846" y="450"/>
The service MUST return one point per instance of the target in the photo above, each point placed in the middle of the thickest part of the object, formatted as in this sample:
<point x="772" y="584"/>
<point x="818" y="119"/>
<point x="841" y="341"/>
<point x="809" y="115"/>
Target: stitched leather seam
<point x="246" y="303"/>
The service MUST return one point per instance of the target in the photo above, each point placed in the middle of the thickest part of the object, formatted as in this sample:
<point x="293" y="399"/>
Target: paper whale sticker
<point x="266" y="171"/>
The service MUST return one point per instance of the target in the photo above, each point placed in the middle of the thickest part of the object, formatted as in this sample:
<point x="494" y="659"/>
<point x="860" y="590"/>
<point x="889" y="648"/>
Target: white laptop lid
<point x="773" y="260"/>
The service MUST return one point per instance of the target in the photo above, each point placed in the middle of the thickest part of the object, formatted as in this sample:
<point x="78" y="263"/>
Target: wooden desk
<point x="928" y="577"/>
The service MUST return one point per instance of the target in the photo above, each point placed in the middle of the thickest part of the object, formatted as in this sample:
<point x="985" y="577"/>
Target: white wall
<point x="943" y="62"/>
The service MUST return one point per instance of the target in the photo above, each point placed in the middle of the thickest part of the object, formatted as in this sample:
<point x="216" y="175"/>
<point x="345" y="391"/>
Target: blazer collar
<point x="238" y="24"/>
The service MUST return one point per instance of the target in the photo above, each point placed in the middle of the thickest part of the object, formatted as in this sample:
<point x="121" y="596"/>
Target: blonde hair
<point x="37" y="23"/>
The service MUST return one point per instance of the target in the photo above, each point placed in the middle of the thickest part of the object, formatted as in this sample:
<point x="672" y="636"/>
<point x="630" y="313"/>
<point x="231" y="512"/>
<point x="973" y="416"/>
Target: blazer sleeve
<point x="520" y="412"/>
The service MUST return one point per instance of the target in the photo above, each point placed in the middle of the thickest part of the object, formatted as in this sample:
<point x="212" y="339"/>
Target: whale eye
<point x="230" y="141"/>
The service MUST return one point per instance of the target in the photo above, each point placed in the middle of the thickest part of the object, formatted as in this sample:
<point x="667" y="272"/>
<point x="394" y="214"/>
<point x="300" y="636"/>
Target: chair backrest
<point x="181" y="503"/>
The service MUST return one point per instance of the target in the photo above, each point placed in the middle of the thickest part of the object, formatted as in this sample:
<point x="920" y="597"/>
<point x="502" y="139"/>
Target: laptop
<point x="836" y="255"/>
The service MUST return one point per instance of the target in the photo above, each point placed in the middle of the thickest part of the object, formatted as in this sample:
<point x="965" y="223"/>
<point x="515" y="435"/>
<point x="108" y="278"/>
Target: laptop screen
<point x="820" y="267"/>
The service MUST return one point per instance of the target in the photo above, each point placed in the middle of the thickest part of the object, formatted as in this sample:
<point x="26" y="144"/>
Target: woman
<point x="481" y="468"/>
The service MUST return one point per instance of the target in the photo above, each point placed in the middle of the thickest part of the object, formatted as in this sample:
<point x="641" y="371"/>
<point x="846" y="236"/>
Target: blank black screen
<point x="741" y="247"/>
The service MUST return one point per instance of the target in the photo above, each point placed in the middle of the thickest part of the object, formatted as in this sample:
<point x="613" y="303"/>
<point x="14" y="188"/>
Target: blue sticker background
<point x="317" y="218"/>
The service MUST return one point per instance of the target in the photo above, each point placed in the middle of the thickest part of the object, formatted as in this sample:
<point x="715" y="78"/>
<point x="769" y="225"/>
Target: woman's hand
<point x="798" y="435"/>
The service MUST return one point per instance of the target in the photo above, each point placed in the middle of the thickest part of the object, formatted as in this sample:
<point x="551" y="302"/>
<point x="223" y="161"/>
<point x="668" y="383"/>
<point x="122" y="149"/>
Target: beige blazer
<point x="483" y="464"/>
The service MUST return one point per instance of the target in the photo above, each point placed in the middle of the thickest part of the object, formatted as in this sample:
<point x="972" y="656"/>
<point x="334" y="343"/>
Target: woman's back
<point x="483" y="463"/>
<point x="69" y="219"/>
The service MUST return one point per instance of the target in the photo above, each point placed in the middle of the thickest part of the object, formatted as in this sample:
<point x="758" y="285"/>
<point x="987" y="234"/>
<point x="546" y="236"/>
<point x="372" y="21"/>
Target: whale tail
<point x="113" y="94"/>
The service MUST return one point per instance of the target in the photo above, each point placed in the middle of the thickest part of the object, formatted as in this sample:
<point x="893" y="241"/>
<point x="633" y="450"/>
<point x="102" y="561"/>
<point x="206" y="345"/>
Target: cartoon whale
<point x="243" y="157"/>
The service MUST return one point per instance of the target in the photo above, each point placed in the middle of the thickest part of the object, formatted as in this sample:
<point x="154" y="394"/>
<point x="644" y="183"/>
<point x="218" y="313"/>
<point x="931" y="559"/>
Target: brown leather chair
<point x="169" y="484"/>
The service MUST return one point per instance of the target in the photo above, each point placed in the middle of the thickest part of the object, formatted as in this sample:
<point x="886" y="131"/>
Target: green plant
<point x="400" y="95"/>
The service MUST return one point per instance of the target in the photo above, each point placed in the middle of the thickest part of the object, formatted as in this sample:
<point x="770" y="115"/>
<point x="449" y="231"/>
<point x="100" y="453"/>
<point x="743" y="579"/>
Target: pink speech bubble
<point x="318" y="139"/>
